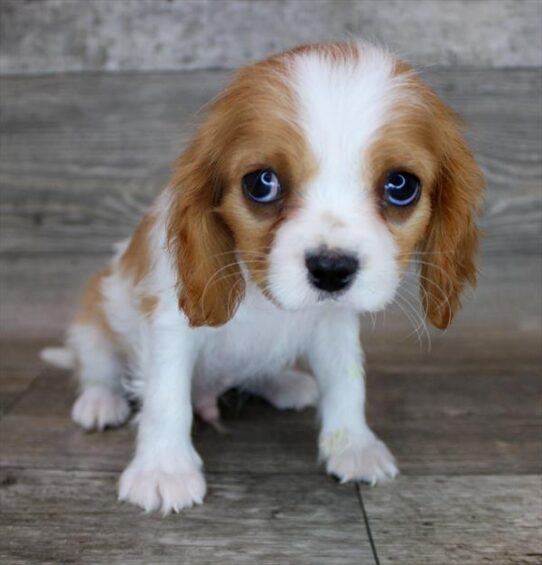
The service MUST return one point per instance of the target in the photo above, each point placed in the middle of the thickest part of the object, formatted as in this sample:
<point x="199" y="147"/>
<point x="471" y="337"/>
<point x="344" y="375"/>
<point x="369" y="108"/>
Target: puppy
<point x="314" y="179"/>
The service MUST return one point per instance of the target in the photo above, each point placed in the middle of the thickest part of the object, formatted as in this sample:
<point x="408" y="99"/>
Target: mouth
<point x="323" y="296"/>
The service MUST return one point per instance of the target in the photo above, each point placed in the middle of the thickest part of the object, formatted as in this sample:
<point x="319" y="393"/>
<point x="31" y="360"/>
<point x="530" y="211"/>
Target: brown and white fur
<point x="212" y="290"/>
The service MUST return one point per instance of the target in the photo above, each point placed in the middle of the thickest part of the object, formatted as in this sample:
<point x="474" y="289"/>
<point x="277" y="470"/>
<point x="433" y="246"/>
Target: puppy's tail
<point x="61" y="357"/>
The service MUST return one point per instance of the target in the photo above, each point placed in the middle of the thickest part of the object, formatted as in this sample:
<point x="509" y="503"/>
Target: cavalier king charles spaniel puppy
<point x="315" y="177"/>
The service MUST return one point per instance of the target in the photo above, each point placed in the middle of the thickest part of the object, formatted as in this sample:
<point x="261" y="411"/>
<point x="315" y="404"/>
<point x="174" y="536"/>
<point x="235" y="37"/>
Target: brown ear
<point x="210" y="281"/>
<point x="451" y="242"/>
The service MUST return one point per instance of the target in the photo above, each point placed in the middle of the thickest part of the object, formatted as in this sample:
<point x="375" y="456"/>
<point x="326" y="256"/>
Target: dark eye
<point x="402" y="189"/>
<point x="262" y="186"/>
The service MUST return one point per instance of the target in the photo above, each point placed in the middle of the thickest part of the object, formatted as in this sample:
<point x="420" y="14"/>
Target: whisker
<point x="409" y="254"/>
<point x="445" y="295"/>
<point x="406" y="313"/>
<point x="211" y="279"/>
<point x="422" y="320"/>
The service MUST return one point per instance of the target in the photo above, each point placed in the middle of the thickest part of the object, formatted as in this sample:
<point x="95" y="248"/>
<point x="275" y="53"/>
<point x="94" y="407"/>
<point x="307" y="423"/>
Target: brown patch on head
<point x="135" y="261"/>
<point x="406" y="143"/>
<point x="91" y="308"/>
<point x="251" y="126"/>
<point x="423" y="136"/>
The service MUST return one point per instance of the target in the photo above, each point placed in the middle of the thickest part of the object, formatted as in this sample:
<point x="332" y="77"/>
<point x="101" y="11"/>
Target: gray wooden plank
<point x="459" y="421"/>
<point x="13" y="384"/>
<point x="441" y="422"/>
<point x="73" y="517"/>
<point x="68" y="35"/>
<point x="79" y="168"/>
<point x="19" y="365"/>
<point x="39" y="296"/>
<point x="457" y="520"/>
<point x="97" y="152"/>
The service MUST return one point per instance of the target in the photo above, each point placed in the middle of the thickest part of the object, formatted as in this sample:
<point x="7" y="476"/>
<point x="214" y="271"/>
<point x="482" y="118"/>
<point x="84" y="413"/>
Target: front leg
<point x="348" y="446"/>
<point x="166" y="470"/>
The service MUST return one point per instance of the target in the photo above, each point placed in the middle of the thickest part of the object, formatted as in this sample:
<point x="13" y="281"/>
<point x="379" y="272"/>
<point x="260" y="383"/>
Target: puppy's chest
<point x="256" y="341"/>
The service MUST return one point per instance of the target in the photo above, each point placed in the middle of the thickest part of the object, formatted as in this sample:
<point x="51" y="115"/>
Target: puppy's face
<point x="323" y="170"/>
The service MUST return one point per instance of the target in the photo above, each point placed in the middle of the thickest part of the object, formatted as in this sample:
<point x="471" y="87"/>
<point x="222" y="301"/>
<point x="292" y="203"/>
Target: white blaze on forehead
<point x="341" y="104"/>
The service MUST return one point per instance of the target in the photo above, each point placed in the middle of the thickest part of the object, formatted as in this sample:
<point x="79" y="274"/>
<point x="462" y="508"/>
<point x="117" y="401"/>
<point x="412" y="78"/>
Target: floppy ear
<point x="210" y="281"/>
<point x="451" y="242"/>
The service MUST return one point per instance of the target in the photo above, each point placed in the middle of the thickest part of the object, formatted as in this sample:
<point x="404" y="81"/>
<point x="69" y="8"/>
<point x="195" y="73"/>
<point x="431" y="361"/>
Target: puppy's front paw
<point x="159" y="487"/>
<point x="369" y="461"/>
<point x="98" y="407"/>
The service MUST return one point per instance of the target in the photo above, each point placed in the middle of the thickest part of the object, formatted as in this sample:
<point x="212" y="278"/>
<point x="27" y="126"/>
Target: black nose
<point x="331" y="270"/>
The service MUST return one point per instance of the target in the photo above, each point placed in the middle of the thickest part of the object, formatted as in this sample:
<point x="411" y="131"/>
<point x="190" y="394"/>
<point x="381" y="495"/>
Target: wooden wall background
<point x="98" y="97"/>
<point x="43" y="36"/>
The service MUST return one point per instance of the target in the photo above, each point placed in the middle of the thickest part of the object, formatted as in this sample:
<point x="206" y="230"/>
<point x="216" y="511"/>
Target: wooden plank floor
<point x="80" y="158"/>
<point x="468" y="445"/>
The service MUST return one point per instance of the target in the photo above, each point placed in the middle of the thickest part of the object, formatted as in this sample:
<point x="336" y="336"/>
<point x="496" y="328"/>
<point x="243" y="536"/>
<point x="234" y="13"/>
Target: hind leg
<point x="291" y="389"/>
<point x="100" y="403"/>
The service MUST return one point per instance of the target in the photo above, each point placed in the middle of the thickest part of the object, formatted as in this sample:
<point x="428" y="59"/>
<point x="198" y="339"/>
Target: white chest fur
<point x="260" y="340"/>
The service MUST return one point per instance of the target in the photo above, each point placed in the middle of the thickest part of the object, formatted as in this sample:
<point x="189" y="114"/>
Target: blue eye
<point x="262" y="186"/>
<point x="401" y="188"/>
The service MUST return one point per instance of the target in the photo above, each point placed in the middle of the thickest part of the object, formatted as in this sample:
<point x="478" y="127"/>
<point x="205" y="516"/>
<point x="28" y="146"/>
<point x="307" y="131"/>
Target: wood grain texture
<point x="39" y="295"/>
<point x="69" y="35"/>
<point x="79" y="168"/>
<point x="73" y="517"/>
<point x="440" y="422"/>
<point x="444" y="520"/>
<point x="19" y="366"/>
<point x="267" y="499"/>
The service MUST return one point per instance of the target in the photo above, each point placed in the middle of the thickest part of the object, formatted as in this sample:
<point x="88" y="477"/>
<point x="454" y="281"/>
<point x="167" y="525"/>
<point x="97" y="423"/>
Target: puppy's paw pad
<point x="371" y="463"/>
<point x="157" y="489"/>
<point x="295" y="390"/>
<point x="99" y="407"/>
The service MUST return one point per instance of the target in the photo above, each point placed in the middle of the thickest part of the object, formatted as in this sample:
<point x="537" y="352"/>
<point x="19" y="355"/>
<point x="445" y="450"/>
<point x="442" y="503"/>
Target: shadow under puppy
<point x="314" y="179"/>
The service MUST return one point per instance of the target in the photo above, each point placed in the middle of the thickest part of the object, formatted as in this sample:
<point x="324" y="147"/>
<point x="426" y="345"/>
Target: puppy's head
<point x="318" y="173"/>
